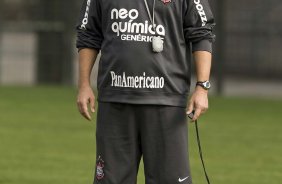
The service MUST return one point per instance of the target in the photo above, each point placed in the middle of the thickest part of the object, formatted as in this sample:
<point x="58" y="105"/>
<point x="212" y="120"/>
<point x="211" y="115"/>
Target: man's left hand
<point x="198" y="102"/>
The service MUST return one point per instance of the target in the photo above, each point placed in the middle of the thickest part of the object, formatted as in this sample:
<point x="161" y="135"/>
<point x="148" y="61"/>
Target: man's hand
<point x="86" y="97"/>
<point x="198" y="102"/>
<point x="199" y="99"/>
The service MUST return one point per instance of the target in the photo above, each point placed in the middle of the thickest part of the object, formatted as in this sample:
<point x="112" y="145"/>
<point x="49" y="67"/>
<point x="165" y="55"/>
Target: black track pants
<point x="126" y="132"/>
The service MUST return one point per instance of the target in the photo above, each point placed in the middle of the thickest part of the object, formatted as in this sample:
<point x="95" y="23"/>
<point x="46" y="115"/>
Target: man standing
<point x="143" y="84"/>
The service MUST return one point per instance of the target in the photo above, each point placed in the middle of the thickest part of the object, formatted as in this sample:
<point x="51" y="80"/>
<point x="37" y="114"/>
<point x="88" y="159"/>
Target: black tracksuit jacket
<point x="129" y="71"/>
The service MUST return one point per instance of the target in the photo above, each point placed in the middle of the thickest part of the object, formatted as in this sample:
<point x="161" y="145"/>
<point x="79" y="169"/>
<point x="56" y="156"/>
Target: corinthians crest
<point x="166" y="1"/>
<point x="100" y="168"/>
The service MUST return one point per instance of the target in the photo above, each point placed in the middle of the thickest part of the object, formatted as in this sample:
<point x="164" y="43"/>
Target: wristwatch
<point x="204" y="84"/>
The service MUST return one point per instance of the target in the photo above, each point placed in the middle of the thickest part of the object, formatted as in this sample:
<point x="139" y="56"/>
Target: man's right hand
<point x="86" y="98"/>
<point x="85" y="95"/>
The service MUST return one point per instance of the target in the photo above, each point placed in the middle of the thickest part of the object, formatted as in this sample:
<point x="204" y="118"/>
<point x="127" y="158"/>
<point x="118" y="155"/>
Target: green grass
<point x="44" y="140"/>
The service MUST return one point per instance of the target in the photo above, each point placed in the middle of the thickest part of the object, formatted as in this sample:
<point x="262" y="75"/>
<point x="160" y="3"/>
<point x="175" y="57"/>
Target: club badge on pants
<point x="100" y="168"/>
<point x="166" y="1"/>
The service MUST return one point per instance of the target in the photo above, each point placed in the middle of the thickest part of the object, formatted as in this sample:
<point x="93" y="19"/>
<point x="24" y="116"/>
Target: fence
<point x="50" y="23"/>
<point x="252" y="38"/>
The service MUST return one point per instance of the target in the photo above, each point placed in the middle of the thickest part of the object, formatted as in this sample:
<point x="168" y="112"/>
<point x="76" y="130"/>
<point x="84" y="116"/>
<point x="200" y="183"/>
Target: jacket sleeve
<point x="198" y="25"/>
<point x="89" y="26"/>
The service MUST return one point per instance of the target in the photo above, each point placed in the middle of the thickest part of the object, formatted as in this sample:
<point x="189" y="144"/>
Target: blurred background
<point x="44" y="140"/>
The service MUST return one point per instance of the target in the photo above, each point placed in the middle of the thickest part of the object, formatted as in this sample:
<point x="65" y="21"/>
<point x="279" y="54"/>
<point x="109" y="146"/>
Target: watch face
<point x="207" y="84"/>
